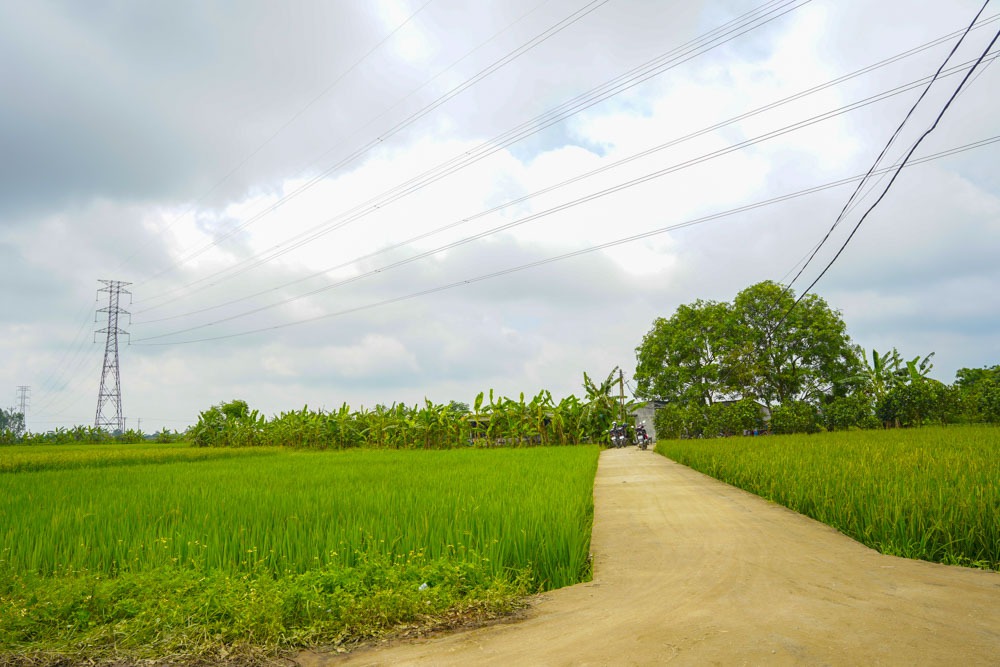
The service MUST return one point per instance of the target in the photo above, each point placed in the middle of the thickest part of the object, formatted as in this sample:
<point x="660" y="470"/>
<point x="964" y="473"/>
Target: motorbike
<point x="619" y="437"/>
<point x="623" y="435"/>
<point x="642" y="438"/>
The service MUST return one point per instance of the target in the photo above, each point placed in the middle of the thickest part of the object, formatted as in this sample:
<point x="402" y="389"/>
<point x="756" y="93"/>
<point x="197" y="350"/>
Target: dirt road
<point x="691" y="571"/>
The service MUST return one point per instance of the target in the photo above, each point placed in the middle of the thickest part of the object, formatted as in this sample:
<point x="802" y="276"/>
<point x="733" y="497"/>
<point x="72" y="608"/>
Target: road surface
<point x="691" y="571"/>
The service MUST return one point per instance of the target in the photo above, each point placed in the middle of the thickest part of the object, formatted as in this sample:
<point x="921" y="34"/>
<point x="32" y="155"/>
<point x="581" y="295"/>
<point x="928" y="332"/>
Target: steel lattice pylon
<point x="111" y="386"/>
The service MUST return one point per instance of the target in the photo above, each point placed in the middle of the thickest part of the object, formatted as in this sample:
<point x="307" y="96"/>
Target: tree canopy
<point x="11" y="423"/>
<point x="756" y="347"/>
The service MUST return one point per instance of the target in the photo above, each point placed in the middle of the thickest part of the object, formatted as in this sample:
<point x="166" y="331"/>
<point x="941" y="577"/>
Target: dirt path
<point x="692" y="571"/>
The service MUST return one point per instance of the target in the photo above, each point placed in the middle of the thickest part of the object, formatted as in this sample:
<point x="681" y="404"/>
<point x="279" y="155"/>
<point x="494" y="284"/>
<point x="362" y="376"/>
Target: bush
<point x="709" y="421"/>
<point x="848" y="412"/>
<point x="795" y="417"/>
<point x="230" y="424"/>
<point x="914" y="404"/>
<point x="989" y="404"/>
<point x="669" y="422"/>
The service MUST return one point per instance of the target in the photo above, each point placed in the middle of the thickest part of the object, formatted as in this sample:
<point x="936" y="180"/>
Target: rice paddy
<point x="150" y="546"/>
<point x="930" y="493"/>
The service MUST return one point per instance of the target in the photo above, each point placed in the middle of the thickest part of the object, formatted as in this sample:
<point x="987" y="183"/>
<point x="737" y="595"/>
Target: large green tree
<point x="757" y="347"/>
<point x="784" y="353"/>
<point x="682" y="358"/>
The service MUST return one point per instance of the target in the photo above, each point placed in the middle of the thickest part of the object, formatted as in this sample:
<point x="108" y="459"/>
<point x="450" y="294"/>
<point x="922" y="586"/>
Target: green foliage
<point x="164" y="436"/>
<point x="172" y="616"/>
<point x="256" y="549"/>
<point x="927" y="493"/>
<point x="737" y="417"/>
<point x="603" y="405"/>
<point x="708" y="421"/>
<point x="683" y="359"/>
<point x="781" y="354"/>
<point x="845" y="413"/>
<point x="920" y="401"/>
<point x="496" y="421"/>
<point x="977" y="394"/>
<point x="670" y="421"/>
<point x="795" y="417"/>
<point x="79" y="435"/>
<point x="230" y="424"/>
<point x="881" y="374"/>
<point x="11" y="426"/>
<point x="757" y="348"/>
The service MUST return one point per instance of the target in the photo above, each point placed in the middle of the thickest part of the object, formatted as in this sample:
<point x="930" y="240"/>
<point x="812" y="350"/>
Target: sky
<point x="363" y="202"/>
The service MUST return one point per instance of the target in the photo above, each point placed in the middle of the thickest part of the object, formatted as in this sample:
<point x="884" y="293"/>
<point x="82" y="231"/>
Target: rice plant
<point x="144" y="552"/>
<point x="929" y="493"/>
<point x="24" y="458"/>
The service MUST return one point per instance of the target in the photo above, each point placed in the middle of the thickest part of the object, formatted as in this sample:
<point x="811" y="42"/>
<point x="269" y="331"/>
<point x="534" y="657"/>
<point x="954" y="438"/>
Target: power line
<point x="898" y="169"/>
<point x="583" y="251"/>
<point x="631" y="78"/>
<point x="285" y="125"/>
<point x="406" y="122"/>
<point x="68" y="357"/>
<point x="885" y="149"/>
<point x="562" y="207"/>
<point x="312" y="234"/>
<point x="591" y="173"/>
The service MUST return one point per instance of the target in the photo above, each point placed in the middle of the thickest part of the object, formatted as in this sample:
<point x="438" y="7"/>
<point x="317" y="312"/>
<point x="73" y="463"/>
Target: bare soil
<point x="692" y="571"/>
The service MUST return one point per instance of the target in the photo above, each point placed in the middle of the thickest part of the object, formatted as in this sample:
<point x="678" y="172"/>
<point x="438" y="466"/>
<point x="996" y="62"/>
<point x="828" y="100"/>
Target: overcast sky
<point x="289" y="185"/>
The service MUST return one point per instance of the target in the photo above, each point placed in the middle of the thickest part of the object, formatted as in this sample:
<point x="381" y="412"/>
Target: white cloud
<point x="921" y="274"/>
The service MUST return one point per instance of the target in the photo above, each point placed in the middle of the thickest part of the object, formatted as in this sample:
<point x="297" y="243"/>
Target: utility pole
<point x="621" y="393"/>
<point x="111" y="386"/>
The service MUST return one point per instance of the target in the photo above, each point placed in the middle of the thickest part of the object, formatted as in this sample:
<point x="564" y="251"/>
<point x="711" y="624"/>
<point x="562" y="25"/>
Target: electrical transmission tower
<point x="23" y="396"/>
<point x="111" y="386"/>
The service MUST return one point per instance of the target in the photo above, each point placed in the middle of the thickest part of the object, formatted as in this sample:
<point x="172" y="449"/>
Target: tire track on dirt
<point x="689" y="570"/>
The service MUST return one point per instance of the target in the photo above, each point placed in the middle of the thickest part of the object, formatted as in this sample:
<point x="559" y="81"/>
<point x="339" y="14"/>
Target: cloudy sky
<point x="311" y="199"/>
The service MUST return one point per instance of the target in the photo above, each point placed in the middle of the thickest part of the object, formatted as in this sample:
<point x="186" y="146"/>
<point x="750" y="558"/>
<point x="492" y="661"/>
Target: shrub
<point x="913" y="404"/>
<point x="847" y="412"/>
<point x="669" y="421"/>
<point x="795" y="417"/>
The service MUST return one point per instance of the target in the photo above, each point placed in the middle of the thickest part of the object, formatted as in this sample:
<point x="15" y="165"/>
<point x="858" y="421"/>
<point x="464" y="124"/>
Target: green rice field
<point x="931" y="493"/>
<point x="61" y="457"/>
<point x="149" y="550"/>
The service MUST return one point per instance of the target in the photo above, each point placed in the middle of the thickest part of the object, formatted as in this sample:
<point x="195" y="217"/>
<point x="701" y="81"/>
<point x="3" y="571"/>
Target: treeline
<point x="492" y="421"/>
<point x="75" y="435"/>
<point x="765" y="362"/>
<point x="13" y="432"/>
<point x="974" y="398"/>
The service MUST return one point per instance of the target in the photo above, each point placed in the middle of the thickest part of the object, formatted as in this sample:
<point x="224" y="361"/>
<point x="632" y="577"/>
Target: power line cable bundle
<point x="577" y="253"/>
<point x="642" y="154"/>
<point x="898" y="168"/>
<point x="699" y="46"/>
<point x="562" y="207"/>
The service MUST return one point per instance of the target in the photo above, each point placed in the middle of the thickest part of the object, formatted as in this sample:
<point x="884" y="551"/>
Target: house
<point x="645" y="413"/>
